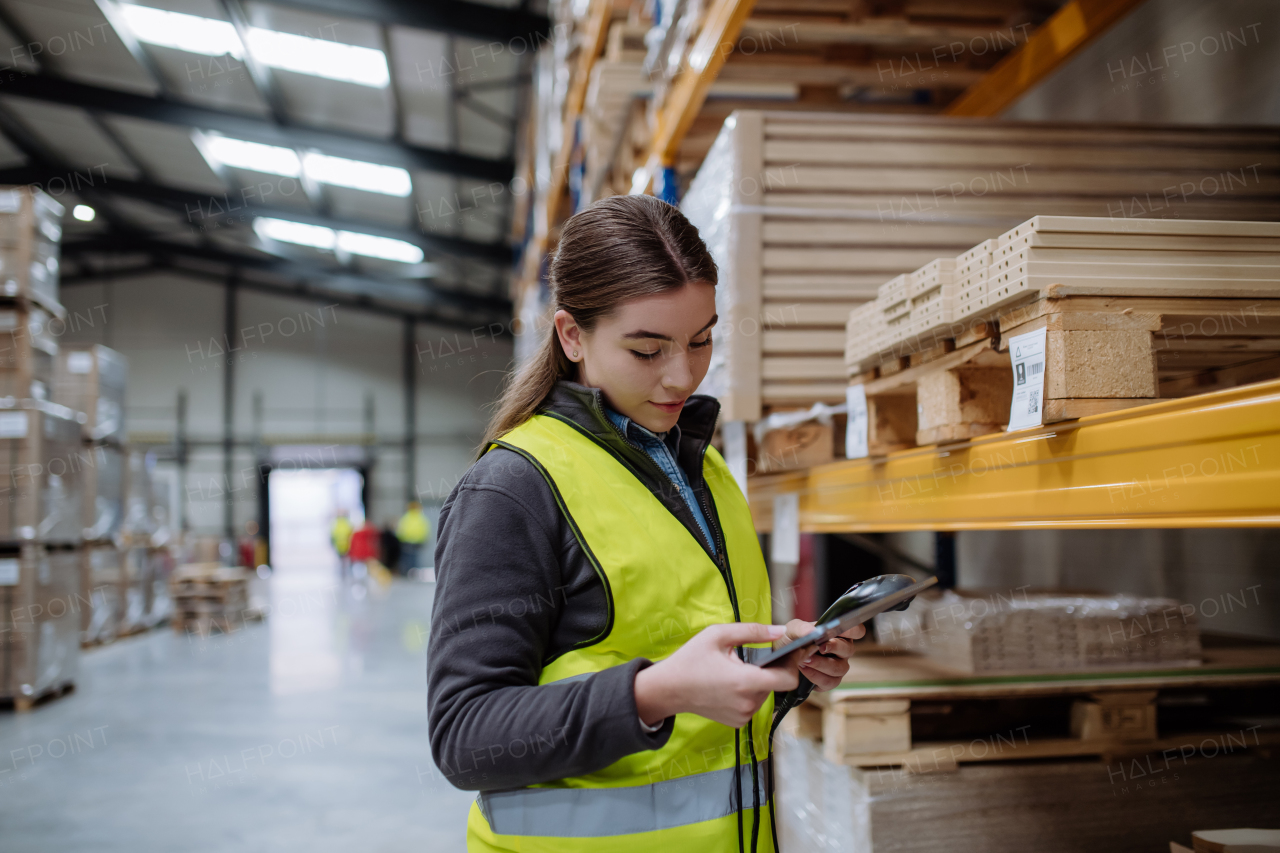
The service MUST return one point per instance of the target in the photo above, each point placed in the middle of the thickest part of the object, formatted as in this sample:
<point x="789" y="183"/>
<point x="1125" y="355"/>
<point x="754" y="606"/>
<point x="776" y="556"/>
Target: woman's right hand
<point x="705" y="677"/>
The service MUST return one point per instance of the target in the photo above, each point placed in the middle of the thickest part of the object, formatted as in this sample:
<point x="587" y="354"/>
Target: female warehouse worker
<point x="599" y="579"/>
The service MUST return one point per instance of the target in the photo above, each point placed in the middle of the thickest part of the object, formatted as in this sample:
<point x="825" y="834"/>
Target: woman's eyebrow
<point x="656" y="336"/>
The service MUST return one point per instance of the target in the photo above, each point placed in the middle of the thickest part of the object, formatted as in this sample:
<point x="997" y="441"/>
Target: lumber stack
<point x="1016" y="806"/>
<point x="807" y="214"/>
<point x="1044" y="632"/>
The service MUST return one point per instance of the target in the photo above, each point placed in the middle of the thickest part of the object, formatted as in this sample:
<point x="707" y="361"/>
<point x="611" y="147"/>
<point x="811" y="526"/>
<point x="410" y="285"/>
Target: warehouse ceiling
<point x="357" y="151"/>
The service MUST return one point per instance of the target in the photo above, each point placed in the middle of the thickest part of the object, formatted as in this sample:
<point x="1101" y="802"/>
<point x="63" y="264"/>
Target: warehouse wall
<point x="313" y="367"/>
<point x="1175" y="61"/>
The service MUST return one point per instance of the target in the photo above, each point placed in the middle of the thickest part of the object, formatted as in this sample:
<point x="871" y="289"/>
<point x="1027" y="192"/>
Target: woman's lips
<point x="670" y="408"/>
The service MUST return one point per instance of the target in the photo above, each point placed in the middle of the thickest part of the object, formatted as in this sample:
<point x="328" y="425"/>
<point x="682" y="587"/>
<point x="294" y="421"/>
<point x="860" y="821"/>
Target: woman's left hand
<point x="824" y="672"/>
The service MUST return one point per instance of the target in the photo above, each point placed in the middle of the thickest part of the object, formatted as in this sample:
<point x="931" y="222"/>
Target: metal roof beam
<point x="206" y="211"/>
<point x="353" y="146"/>
<point x="456" y="17"/>
<point x="405" y="290"/>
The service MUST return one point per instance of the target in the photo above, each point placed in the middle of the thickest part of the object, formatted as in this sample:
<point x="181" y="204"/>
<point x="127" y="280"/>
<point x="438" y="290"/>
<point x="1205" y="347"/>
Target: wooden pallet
<point x="897" y="710"/>
<point x="25" y="704"/>
<point x="1103" y="354"/>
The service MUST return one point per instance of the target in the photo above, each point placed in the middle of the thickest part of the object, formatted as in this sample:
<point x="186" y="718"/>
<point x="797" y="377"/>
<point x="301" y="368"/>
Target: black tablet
<point x="856" y="606"/>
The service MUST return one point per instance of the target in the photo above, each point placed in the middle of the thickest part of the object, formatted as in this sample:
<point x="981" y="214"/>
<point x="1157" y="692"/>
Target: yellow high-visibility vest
<point x="340" y="534"/>
<point x="663" y="588"/>
<point x="413" y="527"/>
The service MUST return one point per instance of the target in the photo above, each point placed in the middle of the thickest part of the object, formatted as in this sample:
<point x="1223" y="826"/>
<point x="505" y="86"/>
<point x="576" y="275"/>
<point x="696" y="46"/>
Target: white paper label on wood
<point x="13" y="424"/>
<point x="735" y="451"/>
<point x="1027" y="353"/>
<point x="80" y="362"/>
<point x="785" y="541"/>
<point x="10" y="201"/>
<point x="855" y="435"/>
<point x="9" y="572"/>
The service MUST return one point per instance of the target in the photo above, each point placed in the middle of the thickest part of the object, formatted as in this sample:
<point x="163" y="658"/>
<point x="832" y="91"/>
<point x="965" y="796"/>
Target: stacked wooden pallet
<point x="907" y="754"/>
<point x="209" y="597"/>
<point x="807" y="214"/>
<point x="1135" y="310"/>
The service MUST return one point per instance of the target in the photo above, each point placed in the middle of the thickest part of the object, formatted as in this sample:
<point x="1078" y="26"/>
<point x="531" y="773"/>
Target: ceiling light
<point x="241" y="154"/>
<point x="83" y="212"/>
<point x="212" y="37"/>
<point x="191" y="33"/>
<point x="379" y="247"/>
<point x="353" y="242"/>
<point x="316" y="236"/>
<point x="389" y="180"/>
<point x="320" y="57"/>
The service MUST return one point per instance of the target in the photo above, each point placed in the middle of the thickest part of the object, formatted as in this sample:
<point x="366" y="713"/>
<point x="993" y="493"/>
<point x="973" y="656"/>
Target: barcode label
<point x="1037" y="367"/>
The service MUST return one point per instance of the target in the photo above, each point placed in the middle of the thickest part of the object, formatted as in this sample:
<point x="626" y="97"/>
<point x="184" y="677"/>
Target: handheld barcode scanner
<point x="859" y="603"/>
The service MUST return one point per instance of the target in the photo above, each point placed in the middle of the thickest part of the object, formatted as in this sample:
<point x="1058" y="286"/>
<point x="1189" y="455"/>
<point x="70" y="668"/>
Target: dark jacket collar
<point x="585" y="407"/>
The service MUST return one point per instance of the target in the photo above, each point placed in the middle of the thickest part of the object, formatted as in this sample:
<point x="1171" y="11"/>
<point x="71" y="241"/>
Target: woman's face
<point x="648" y="356"/>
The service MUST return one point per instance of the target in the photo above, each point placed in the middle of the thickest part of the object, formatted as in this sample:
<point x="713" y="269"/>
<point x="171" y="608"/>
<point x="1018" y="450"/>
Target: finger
<point x="820" y="680"/>
<point x="839" y="646"/>
<point x="835" y="667"/>
<point x="857" y="632"/>
<point x="740" y="633"/>
<point x="773" y="679"/>
<point x="798" y="628"/>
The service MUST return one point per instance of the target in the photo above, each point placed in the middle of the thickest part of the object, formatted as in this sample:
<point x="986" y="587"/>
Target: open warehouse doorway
<point x="302" y="506"/>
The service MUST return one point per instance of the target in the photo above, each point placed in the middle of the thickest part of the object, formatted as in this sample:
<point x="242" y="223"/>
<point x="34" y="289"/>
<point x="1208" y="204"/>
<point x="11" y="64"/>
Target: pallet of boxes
<point x="40" y="516"/>
<point x="146" y="549"/>
<point x="811" y="216"/>
<point x="91" y="380"/>
<point x="975" y="716"/>
<point x="210" y="598"/>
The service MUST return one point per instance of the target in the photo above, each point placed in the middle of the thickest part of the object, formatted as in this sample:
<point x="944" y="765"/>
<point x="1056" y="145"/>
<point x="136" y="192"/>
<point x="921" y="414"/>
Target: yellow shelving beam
<point x="715" y="40"/>
<point x="1206" y="461"/>
<point x="1057" y="40"/>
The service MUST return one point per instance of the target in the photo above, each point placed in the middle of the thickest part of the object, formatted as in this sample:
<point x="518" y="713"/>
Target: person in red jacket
<point x="364" y="543"/>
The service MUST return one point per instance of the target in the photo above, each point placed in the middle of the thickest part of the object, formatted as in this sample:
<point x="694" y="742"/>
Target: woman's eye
<point x="706" y="342"/>
<point x="647" y="356"/>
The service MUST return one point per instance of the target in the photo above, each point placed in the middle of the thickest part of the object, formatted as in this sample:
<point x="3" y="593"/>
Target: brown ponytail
<point x="618" y="249"/>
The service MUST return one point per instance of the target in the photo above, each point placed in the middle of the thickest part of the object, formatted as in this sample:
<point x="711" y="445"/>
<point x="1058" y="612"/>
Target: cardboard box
<point x="101" y="585"/>
<point x="103" y="492"/>
<point x="30" y="236"/>
<point x="43" y="461"/>
<point x="28" y="351"/>
<point x="40" y="605"/>
<point x="92" y="380"/>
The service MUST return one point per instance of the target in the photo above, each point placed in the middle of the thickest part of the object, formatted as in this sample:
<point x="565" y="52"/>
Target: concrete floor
<point x="304" y="733"/>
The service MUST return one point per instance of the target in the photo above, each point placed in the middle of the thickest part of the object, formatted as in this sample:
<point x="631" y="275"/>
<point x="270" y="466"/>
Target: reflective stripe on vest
<point x="597" y="812"/>
<point x="662" y="588"/>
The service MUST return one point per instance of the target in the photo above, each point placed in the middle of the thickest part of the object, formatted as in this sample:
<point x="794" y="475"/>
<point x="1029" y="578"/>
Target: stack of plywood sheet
<point x="807" y="214"/>
<point x="1045" y="632"/>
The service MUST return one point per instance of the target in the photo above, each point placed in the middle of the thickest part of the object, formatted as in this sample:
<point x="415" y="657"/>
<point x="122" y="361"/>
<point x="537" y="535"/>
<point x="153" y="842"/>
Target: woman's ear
<point x="570" y="335"/>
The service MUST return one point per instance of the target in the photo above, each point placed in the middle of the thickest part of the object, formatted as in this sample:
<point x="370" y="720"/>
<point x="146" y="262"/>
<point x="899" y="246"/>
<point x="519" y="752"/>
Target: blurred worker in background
<point x="412" y="530"/>
<point x="340" y="536"/>
<point x="390" y="546"/>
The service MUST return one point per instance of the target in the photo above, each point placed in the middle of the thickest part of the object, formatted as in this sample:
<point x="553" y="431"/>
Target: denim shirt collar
<point x="633" y="430"/>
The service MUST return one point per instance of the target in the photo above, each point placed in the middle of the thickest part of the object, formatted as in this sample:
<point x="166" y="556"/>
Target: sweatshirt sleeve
<point x="498" y="598"/>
